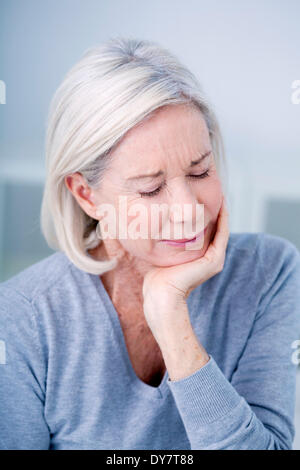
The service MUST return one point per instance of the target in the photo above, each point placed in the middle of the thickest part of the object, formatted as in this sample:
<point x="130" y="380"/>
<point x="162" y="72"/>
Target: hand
<point x="178" y="281"/>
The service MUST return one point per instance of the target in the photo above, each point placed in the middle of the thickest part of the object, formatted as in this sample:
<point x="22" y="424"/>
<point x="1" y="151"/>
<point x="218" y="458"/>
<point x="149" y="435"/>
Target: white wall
<point x="245" y="53"/>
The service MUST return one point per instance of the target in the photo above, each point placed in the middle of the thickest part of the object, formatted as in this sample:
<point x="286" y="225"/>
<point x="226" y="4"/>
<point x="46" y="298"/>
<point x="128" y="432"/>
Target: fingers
<point x="222" y="232"/>
<point x="221" y="237"/>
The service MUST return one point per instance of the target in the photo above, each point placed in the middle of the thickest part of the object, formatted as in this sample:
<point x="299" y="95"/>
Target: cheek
<point x="135" y="216"/>
<point x="211" y="196"/>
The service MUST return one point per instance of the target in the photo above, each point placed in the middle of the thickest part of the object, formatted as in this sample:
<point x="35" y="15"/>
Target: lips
<point x="184" y="240"/>
<point x="180" y="241"/>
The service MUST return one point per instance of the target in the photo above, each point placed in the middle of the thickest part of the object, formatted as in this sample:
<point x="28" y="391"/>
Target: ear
<point x="81" y="191"/>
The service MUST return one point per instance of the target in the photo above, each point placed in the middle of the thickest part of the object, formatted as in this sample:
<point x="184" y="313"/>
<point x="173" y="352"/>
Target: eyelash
<point x="156" y="191"/>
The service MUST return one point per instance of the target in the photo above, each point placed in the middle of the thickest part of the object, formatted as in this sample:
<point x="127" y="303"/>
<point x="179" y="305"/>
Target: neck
<point x="124" y="284"/>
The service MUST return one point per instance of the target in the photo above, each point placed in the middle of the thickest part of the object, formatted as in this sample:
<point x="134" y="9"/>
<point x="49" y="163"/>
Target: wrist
<point x="164" y="302"/>
<point x="183" y="354"/>
<point x="167" y="318"/>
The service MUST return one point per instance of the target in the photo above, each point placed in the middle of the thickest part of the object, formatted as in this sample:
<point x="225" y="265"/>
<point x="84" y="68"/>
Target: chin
<point x="182" y="257"/>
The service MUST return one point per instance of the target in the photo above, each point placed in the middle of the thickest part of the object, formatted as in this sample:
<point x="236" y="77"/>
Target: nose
<point x="186" y="212"/>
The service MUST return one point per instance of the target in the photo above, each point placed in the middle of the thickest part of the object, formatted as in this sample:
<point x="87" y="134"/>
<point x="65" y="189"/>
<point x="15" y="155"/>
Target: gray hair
<point x="112" y="88"/>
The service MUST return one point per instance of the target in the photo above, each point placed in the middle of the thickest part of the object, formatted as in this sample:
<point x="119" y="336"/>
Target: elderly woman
<point x="145" y="342"/>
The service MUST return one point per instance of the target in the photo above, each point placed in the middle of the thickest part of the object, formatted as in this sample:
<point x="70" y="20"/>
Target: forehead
<point x="173" y="133"/>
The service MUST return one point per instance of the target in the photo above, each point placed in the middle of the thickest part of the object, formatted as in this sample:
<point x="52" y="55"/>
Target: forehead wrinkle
<point x="155" y="175"/>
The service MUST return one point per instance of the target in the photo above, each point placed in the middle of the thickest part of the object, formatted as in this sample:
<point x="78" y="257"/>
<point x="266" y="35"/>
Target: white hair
<point x="112" y="88"/>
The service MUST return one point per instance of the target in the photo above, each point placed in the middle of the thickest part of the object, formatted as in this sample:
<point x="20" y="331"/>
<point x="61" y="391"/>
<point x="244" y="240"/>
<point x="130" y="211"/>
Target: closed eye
<point x="157" y="190"/>
<point x="203" y="175"/>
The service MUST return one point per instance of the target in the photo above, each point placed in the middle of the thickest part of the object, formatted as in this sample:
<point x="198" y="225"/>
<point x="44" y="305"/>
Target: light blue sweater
<point x="66" y="380"/>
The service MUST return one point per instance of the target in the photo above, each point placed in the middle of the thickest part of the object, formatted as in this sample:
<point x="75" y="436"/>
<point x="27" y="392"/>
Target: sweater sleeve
<point x="255" y="410"/>
<point x="22" y="376"/>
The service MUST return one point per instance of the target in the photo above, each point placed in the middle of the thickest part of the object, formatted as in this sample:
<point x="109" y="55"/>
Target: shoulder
<point x="47" y="294"/>
<point x="254" y="241"/>
<point x="37" y="278"/>
<point x="41" y="287"/>
<point x="268" y="248"/>
<point x="269" y="253"/>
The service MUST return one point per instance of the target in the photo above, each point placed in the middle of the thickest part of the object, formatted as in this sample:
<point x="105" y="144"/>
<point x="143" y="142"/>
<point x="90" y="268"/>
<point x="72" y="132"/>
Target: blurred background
<point x="245" y="54"/>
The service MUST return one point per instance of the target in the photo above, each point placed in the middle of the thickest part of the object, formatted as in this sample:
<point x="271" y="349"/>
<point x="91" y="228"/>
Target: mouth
<point x="185" y="240"/>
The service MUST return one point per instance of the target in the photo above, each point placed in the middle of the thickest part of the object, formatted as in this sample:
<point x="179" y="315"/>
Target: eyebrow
<point x="160" y="172"/>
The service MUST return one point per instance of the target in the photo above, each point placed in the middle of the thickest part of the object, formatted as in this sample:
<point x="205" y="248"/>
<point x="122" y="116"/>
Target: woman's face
<point x="167" y="143"/>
